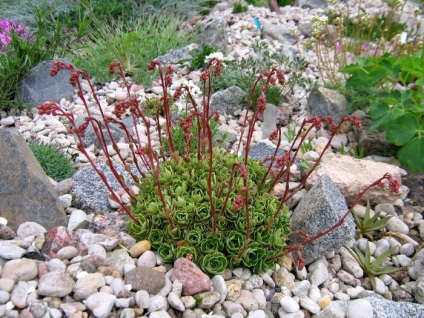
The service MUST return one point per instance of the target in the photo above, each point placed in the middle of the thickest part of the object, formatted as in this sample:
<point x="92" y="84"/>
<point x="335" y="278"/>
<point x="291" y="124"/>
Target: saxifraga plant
<point x="205" y="204"/>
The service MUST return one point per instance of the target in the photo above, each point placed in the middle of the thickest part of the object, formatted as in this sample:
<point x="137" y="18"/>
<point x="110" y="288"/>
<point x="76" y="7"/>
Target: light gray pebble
<point x="97" y="249"/>
<point x="159" y="314"/>
<point x="117" y="284"/>
<point x="363" y="243"/>
<point x="301" y="288"/>
<point x="284" y="314"/>
<point x="301" y="274"/>
<point x="289" y="304"/>
<point x="401" y="260"/>
<point x="78" y="220"/>
<point x="37" y="308"/>
<point x="142" y="299"/>
<point x="397" y="225"/>
<point x="19" y="295"/>
<point x="67" y="252"/>
<point x="382" y="246"/>
<point x="4" y="297"/>
<point x="30" y="229"/>
<point x="242" y="273"/>
<point x="157" y="303"/>
<point x="359" y="308"/>
<point x="257" y="314"/>
<point x="122" y="302"/>
<point x="54" y="313"/>
<point x="333" y="310"/>
<point x="354" y="292"/>
<point x="235" y="315"/>
<point x="255" y="281"/>
<point x="188" y="301"/>
<point x="387" y="279"/>
<point x="219" y="285"/>
<point x="407" y="249"/>
<point x="55" y="284"/>
<point x="105" y="289"/>
<point x="351" y="266"/>
<point x="177" y="286"/>
<point x="385" y="207"/>
<point x="267" y="279"/>
<point x="319" y="274"/>
<point x="128" y="267"/>
<point x="100" y="304"/>
<point x="380" y="287"/>
<point x="208" y="299"/>
<point x="341" y="296"/>
<point x="347" y="278"/>
<point x="231" y="307"/>
<point x="66" y="201"/>
<point x="10" y="251"/>
<point x="260" y="299"/>
<point x="247" y="300"/>
<point x="308" y="304"/>
<point x="147" y="259"/>
<point x="167" y="288"/>
<point x="7" y="284"/>
<point x="56" y="265"/>
<point x="127" y="313"/>
<point x="175" y="302"/>
<point x="126" y="240"/>
<point x="314" y="293"/>
<point x="334" y="287"/>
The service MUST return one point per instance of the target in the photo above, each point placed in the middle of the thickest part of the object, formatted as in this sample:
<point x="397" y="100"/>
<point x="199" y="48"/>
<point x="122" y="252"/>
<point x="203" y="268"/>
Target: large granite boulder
<point x="321" y="208"/>
<point x="177" y="55"/>
<point x="327" y="102"/>
<point x="214" y="32"/>
<point x="39" y="87"/>
<point x="26" y="193"/>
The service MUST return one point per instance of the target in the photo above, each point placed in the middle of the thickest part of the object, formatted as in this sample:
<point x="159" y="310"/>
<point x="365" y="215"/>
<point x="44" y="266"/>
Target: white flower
<point x="403" y="37"/>
<point x="217" y="55"/>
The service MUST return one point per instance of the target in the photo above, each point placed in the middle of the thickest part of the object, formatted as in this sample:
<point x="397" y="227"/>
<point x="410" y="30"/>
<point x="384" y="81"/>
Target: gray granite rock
<point x="39" y="87"/>
<point x="312" y="4"/>
<point x="91" y="195"/>
<point x="262" y="150"/>
<point x="279" y="32"/>
<point x="326" y="102"/>
<point x="214" y="32"/>
<point x="270" y="118"/>
<point x="25" y="190"/>
<point x="227" y="101"/>
<point x="176" y="55"/>
<point x="321" y="208"/>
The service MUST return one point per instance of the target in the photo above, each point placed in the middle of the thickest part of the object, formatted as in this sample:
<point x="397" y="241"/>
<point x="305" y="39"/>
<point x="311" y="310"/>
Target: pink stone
<point x="190" y="276"/>
<point x="60" y="237"/>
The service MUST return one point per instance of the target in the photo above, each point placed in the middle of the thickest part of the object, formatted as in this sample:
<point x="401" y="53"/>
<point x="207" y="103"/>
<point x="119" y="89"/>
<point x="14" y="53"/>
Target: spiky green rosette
<point x="184" y="187"/>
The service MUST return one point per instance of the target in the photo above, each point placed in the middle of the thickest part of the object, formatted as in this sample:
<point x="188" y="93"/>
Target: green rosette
<point x="139" y="231"/>
<point x="212" y="243"/>
<point x="195" y="237"/>
<point x="203" y="212"/>
<point x="166" y="251"/>
<point x="181" y="218"/>
<point x="263" y="239"/>
<point x="175" y="234"/>
<point x="234" y="242"/>
<point x="185" y="250"/>
<point x="156" y="238"/>
<point x="253" y="255"/>
<point x="214" y="263"/>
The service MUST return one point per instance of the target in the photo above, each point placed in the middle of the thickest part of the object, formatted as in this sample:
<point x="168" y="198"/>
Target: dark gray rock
<point x="175" y="56"/>
<point x="214" y="32"/>
<point x="279" y="32"/>
<point x="39" y="87"/>
<point x="145" y="278"/>
<point x="321" y="208"/>
<point x="326" y="102"/>
<point x="312" y="4"/>
<point x="90" y="137"/>
<point x="26" y="193"/>
<point x="91" y="194"/>
<point x="227" y="101"/>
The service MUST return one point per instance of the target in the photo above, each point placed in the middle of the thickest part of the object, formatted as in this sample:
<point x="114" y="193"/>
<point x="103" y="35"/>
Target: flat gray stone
<point x="25" y="190"/>
<point x="227" y="101"/>
<point x="326" y="102"/>
<point x="321" y="208"/>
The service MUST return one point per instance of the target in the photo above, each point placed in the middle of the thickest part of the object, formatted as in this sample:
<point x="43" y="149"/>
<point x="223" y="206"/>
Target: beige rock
<point x="324" y="301"/>
<point x="139" y="248"/>
<point x="353" y="175"/>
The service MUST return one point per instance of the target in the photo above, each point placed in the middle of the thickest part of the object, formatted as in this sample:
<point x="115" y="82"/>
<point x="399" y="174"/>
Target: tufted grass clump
<point x="55" y="164"/>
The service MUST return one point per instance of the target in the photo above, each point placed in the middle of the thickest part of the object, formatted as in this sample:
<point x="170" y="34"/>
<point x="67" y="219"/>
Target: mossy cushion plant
<point x="55" y="164"/>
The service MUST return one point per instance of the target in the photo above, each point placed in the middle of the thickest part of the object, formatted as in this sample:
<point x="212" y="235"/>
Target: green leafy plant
<point x="290" y="134"/>
<point x="307" y="146"/>
<point x="398" y="112"/>
<point x="55" y="164"/>
<point x="239" y="8"/>
<point x="373" y="268"/>
<point x="357" y="152"/>
<point x="199" y="55"/>
<point x="368" y="225"/>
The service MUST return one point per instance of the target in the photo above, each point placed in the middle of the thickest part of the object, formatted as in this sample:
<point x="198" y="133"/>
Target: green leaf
<point x="402" y="129"/>
<point x="156" y="238"/>
<point x="214" y="263"/>
<point x="412" y="154"/>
